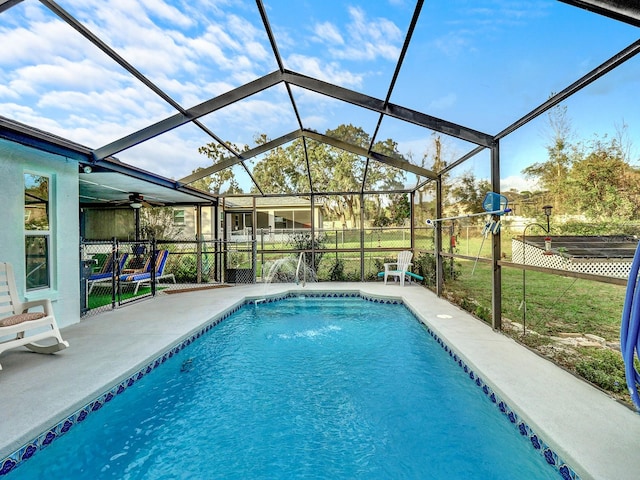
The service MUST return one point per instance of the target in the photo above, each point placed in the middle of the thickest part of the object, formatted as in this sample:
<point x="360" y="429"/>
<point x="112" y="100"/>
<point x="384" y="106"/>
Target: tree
<point x="552" y="174"/>
<point x="602" y="184"/>
<point x="434" y="159"/>
<point x="282" y="170"/>
<point x="400" y="209"/>
<point x="157" y="222"/>
<point x="214" y="183"/>
<point x="470" y="192"/>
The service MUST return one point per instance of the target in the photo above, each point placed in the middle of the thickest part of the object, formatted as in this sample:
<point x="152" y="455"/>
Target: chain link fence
<point x="115" y="272"/>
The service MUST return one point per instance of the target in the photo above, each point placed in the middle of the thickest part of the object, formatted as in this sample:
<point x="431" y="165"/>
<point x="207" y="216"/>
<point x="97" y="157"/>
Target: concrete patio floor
<point x="593" y="433"/>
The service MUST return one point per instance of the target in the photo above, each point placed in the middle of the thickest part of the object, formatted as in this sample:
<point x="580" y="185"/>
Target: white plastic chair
<point x="16" y="319"/>
<point x="402" y="266"/>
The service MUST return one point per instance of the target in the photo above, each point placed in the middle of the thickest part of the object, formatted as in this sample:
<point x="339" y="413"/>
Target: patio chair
<point x="106" y="272"/>
<point x="16" y="319"/>
<point x="143" y="275"/>
<point x="402" y="268"/>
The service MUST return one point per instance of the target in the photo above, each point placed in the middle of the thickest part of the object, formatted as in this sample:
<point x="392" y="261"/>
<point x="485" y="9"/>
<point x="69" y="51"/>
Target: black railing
<point x="119" y="272"/>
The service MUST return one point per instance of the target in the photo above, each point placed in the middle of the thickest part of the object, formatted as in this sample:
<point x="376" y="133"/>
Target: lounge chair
<point x="400" y="269"/>
<point x="16" y="319"/>
<point x="106" y="272"/>
<point x="143" y="275"/>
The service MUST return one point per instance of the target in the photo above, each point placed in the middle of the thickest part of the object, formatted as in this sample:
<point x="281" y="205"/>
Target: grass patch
<point x="102" y="299"/>
<point x="554" y="303"/>
<point x="605" y="369"/>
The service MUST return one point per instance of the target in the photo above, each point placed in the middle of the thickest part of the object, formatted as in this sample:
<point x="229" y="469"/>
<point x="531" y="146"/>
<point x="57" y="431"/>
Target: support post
<point x="312" y="261"/>
<point x="218" y="225"/>
<point x="438" y="239"/>
<point x="254" y="219"/>
<point x="412" y="211"/>
<point x="199" y="241"/>
<point x="254" y="243"/>
<point x="361" y="237"/>
<point x="496" y="250"/>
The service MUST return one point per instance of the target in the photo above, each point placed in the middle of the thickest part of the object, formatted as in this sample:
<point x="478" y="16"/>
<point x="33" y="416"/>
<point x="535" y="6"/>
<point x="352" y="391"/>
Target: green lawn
<point x="555" y="305"/>
<point x="99" y="299"/>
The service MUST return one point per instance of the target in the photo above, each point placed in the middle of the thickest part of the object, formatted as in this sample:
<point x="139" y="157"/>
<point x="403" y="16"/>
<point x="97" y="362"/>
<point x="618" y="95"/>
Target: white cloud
<point x="315" y="122"/>
<point x="162" y="154"/>
<point x="7" y="92"/>
<point x="249" y="117"/>
<point x="65" y="75"/>
<point x="361" y="39"/>
<point x="518" y="183"/>
<point x="329" y="33"/>
<point x="21" y="113"/>
<point x="40" y="41"/>
<point x="191" y="93"/>
<point x="367" y="39"/>
<point x="330" y="72"/>
<point x="167" y="12"/>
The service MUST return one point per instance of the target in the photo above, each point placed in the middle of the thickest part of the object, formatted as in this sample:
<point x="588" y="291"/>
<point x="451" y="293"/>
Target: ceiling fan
<point x="136" y="201"/>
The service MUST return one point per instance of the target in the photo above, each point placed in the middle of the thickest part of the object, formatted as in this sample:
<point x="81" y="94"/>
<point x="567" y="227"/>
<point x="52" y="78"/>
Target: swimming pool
<point x="388" y="390"/>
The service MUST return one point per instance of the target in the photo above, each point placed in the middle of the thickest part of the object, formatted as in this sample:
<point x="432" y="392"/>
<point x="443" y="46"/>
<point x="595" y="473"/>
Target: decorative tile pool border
<point x="25" y="452"/>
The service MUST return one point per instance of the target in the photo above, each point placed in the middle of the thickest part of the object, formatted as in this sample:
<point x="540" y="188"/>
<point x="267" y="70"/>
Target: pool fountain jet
<point x="288" y="270"/>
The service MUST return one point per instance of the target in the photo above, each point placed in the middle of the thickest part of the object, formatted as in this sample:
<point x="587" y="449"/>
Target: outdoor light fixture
<point x="86" y="168"/>
<point x="547" y="212"/>
<point x="135" y="205"/>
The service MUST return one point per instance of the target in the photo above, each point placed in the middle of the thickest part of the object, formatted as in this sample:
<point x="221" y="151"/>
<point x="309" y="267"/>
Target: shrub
<point x="307" y="242"/>
<point x="336" y="271"/>
<point x="185" y="270"/>
<point x="425" y="266"/>
<point x="602" y="228"/>
<point x="604" y="368"/>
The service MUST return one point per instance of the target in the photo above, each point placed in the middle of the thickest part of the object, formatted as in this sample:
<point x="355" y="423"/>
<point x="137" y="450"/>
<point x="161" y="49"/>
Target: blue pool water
<point x="299" y="388"/>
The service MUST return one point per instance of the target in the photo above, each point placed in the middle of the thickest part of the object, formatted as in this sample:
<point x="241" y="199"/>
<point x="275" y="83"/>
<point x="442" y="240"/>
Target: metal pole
<point x="254" y="243"/>
<point x="216" y="239"/>
<point x="154" y="263"/>
<point x="115" y="272"/>
<point x="438" y="239"/>
<point x="313" y="233"/>
<point x="496" y="252"/>
<point x="452" y="229"/>
<point x="492" y="212"/>
<point x="361" y="237"/>
<point x="199" y="240"/>
<point x="412" y="197"/>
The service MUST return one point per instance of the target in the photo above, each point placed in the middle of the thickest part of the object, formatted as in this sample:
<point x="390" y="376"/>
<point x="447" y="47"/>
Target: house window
<point x="37" y="231"/>
<point x="178" y="217"/>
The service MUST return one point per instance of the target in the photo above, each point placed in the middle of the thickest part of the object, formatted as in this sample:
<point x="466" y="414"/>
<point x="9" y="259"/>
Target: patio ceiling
<point x="379" y="108"/>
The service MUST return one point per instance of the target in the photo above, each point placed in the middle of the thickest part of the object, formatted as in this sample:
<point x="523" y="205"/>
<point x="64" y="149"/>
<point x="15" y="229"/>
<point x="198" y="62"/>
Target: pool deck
<point x="597" y="436"/>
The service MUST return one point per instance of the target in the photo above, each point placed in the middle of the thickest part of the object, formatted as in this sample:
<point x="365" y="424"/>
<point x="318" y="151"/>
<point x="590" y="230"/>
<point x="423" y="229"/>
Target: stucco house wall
<point x="15" y="161"/>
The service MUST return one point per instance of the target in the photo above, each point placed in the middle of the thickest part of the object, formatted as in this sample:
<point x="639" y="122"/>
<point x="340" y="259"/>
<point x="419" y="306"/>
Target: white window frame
<point x="46" y="234"/>
<point x="176" y="214"/>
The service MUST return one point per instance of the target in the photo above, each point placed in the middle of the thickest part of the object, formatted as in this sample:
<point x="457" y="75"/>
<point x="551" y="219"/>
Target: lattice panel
<point x="532" y="255"/>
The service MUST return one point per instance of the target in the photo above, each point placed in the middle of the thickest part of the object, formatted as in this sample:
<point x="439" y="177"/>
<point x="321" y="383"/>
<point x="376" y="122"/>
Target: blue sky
<point x="482" y="64"/>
